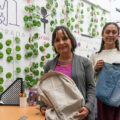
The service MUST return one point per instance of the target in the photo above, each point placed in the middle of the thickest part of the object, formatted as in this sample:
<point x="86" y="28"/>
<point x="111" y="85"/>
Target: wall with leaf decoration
<point x="25" y="37"/>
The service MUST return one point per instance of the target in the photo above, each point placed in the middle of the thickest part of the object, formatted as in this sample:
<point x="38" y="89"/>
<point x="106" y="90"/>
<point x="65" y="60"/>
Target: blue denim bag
<point x="108" y="85"/>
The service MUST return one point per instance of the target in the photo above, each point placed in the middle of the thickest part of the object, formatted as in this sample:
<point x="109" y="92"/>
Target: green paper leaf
<point x="28" y="54"/>
<point x="48" y="56"/>
<point x="76" y="25"/>
<point x="67" y="10"/>
<point x="35" y="45"/>
<point x="97" y="33"/>
<point x="26" y="8"/>
<point x="38" y="23"/>
<point x="56" y="4"/>
<point x="26" y="18"/>
<point x="62" y="11"/>
<point x="30" y="18"/>
<point x="8" y="51"/>
<point x="35" y="52"/>
<point x="81" y="29"/>
<point x="88" y="9"/>
<point x="51" y="2"/>
<point x="42" y="64"/>
<point x="28" y="78"/>
<point x="1" y="89"/>
<point x="37" y="16"/>
<point x="71" y="5"/>
<point x="81" y="22"/>
<point x="76" y="16"/>
<point x="97" y="6"/>
<point x="48" y="6"/>
<point x="41" y="48"/>
<point x="82" y="4"/>
<point x="18" y="48"/>
<point x="1" y="35"/>
<point x="82" y="16"/>
<point x="78" y="10"/>
<point x="1" y="69"/>
<point x="71" y="27"/>
<point x="17" y="39"/>
<point x="72" y="19"/>
<point x="27" y="46"/>
<point x="1" y="55"/>
<point x="62" y="21"/>
<point x="51" y="29"/>
<point x="98" y="13"/>
<point x="93" y="30"/>
<point x="34" y="23"/>
<point x="18" y="70"/>
<point x="35" y="65"/>
<point x="42" y="73"/>
<point x="1" y="80"/>
<point x="8" y="42"/>
<point x="42" y="58"/>
<point x="101" y="18"/>
<point x="52" y="22"/>
<point x="36" y="72"/>
<point x="37" y="8"/>
<point x="67" y="3"/>
<point x="46" y="45"/>
<point x="35" y="36"/>
<point x="1" y="45"/>
<point x="26" y="69"/>
<point x="82" y="11"/>
<point x="18" y="56"/>
<point x="9" y="58"/>
<point x="32" y="47"/>
<point x="71" y="9"/>
<point x="68" y="24"/>
<point x="54" y="11"/>
<point x="9" y="75"/>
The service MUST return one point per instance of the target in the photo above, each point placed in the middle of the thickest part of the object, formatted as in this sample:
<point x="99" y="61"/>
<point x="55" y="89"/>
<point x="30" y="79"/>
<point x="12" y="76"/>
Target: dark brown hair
<point x="69" y="34"/>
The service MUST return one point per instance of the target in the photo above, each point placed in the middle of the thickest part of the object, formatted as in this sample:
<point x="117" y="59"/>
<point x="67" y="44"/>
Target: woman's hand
<point x="83" y="112"/>
<point x="99" y="65"/>
<point x="43" y="110"/>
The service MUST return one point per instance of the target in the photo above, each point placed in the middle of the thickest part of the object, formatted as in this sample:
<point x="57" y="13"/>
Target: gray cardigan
<point x="83" y="75"/>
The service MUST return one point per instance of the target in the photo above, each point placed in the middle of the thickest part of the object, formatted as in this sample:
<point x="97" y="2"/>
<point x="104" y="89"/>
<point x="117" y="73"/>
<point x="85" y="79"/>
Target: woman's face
<point x="62" y="43"/>
<point x="110" y="35"/>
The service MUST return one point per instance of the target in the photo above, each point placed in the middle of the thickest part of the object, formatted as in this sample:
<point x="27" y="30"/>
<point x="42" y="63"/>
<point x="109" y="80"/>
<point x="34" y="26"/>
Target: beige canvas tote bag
<point x="61" y="95"/>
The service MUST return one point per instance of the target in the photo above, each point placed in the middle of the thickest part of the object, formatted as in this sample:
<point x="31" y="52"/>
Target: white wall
<point x="104" y="4"/>
<point x="13" y="25"/>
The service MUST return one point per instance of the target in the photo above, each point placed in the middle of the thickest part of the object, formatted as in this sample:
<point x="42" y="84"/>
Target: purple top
<point x="64" y="67"/>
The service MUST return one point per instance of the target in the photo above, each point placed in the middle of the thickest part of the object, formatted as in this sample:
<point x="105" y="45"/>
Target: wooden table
<point x="17" y="113"/>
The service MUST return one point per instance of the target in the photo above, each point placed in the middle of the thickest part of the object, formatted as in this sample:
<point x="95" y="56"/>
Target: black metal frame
<point x="21" y="90"/>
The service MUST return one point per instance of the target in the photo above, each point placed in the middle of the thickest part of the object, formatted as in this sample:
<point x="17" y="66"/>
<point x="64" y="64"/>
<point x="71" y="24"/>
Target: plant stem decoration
<point x="44" y="15"/>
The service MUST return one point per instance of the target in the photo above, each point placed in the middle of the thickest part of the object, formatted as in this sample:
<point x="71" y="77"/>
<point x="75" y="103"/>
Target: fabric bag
<point x="108" y="85"/>
<point x="61" y="95"/>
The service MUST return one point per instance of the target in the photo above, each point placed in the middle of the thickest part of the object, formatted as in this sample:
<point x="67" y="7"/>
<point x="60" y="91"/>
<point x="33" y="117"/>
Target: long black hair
<point x="116" y="42"/>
